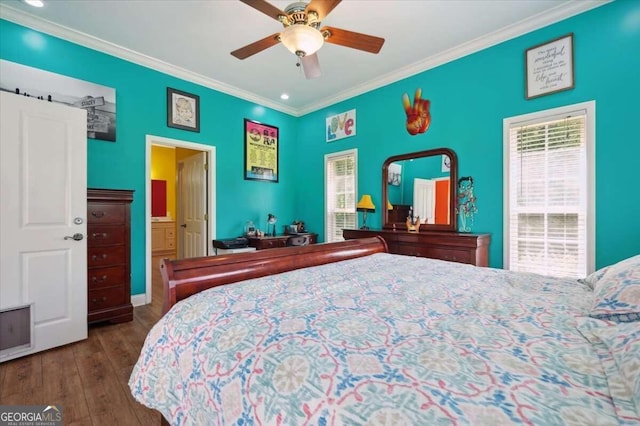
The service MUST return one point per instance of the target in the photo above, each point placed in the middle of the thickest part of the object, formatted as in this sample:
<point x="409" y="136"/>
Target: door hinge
<point x="206" y="166"/>
<point x="206" y="217"/>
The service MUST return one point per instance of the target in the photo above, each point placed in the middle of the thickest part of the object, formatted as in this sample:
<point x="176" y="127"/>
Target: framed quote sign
<point x="261" y="143"/>
<point x="549" y="67"/>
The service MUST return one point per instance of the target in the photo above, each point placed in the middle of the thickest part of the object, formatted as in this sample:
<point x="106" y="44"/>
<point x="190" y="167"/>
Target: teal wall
<point x="469" y="99"/>
<point x="141" y="110"/>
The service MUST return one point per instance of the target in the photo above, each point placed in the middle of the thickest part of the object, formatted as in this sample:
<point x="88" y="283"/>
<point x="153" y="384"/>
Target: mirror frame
<point x="453" y="190"/>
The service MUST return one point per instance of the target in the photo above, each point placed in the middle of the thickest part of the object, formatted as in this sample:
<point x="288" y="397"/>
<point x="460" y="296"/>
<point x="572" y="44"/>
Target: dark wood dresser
<point x="109" y="255"/>
<point x="266" y="242"/>
<point x="452" y="246"/>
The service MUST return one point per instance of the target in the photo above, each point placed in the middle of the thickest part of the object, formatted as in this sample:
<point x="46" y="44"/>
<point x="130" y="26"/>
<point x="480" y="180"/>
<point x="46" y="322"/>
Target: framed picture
<point x="260" y="151"/>
<point x="394" y="174"/>
<point x="549" y="67"/>
<point x="341" y="125"/>
<point x="183" y="110"/>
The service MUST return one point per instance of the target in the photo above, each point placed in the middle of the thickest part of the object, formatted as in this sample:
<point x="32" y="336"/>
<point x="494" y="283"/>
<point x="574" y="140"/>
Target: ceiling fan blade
<point x="322" y="7"/>
<point x="311" y="66"/>
<point x="256" y="47"/>
<point x="354" y="40"/>
<point x="265" y="7"/>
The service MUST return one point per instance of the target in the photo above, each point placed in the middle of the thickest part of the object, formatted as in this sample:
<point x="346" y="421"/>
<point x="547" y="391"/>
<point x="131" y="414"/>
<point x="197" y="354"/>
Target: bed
<point x="346" y="333"/>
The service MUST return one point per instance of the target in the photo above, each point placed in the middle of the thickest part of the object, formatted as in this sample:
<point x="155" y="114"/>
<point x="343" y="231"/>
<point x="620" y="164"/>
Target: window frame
<point x="590" y="134"/>
<point x="330" y="157"/>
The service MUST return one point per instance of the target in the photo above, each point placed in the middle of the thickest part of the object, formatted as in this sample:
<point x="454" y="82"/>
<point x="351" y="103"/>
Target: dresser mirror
<point x="420" y="184"/>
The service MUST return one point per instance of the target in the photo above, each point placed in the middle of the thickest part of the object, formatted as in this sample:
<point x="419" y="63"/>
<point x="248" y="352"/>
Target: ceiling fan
<point x="302" y="34"/>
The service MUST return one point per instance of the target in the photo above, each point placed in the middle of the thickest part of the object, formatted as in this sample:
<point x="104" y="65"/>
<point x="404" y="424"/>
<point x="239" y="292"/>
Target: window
<point x="340" y="192"/>
<point x="549" y="191"/>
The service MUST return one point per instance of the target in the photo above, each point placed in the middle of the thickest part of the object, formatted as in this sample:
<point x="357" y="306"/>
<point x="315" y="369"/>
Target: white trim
<point x="328" y="157"/>
<point x="86" y="40"/>
<point x="211" y="160"/>
<point x="139" y="299"/>
<point x="563" y="11"/>
<point x="552" y="16"/>
<point x="590" y="129"/>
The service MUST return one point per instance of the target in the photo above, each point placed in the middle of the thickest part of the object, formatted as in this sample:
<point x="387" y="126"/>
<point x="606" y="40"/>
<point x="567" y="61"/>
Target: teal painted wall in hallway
<point x="471" y="96"/>
<point x="469" y="99"/>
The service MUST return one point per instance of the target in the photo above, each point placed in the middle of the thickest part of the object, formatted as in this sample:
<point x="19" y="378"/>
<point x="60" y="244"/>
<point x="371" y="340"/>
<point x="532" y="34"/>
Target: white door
<point x="43" y="188"/>
<point x="192" y="206"/>
<point x="424" y="200"/>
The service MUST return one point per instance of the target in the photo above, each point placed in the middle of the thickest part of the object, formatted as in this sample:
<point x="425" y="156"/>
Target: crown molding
<point x="549" y="17"/>
<point x="36" y="23"/>
<point x="552" y="16"/>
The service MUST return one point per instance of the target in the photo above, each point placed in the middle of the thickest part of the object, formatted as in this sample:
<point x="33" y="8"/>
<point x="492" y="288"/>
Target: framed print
<point x="183" y="110"/>
<point x="549" y="67"/>
<point x="260" y="151"/>
<point x="341" y="125"/>
<point x="394" y="174"/>
<point x="446" y="164"/>
<point x="99" y="101"/>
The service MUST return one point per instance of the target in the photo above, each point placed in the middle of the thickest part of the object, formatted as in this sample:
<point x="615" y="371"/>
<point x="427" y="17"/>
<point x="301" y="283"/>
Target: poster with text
<point x="260" y="151"/>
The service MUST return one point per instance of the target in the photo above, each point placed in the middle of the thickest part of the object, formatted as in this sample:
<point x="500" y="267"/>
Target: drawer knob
<point x="97" y="213"/>
<point x="99" y="235"/>
<point x="95" y="257"/>
<point x="96" y="279"/>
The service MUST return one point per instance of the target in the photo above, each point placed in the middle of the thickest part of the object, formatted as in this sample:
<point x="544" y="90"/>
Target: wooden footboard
<point x="182" y="278"/>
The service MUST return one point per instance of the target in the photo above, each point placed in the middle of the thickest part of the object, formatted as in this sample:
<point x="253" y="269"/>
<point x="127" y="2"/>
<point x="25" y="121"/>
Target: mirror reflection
<point x="419" y="185"/>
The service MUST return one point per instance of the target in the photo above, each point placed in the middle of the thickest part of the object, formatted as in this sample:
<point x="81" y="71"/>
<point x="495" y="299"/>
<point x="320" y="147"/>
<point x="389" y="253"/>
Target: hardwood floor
<point x="89" y="378"/>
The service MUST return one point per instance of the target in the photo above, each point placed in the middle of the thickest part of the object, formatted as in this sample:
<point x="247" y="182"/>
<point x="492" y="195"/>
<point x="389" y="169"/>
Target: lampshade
<point x="301" y="40"/>
<point x="365" y="203"/>
<point x="389" y="205"/>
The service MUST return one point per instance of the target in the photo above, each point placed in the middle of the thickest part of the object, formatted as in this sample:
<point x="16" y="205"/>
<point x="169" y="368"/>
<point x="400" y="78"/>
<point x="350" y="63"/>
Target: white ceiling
<point x="192" y="39"/>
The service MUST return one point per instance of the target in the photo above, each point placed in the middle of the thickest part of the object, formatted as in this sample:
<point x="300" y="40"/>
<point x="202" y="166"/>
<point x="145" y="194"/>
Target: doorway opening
<point x="190" y="206"/>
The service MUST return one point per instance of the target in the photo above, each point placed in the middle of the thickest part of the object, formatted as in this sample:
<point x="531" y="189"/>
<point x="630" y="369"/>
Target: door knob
<point x="75" y="237"/>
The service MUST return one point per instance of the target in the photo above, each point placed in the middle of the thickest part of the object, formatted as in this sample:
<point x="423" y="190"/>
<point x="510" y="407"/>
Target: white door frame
<point x="211" y="184"/>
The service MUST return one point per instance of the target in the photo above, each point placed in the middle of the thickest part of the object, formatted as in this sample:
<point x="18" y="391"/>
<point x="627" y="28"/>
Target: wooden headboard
<point x="183" y="278"/>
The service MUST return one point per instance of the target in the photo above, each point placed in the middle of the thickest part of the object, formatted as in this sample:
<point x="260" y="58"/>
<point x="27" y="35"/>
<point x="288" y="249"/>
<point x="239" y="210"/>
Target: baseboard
<point x="139" y="299"/>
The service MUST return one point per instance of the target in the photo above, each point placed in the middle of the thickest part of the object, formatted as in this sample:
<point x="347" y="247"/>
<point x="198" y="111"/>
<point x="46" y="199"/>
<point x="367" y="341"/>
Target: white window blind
<point x="340" y="190"/>
<point x="548" y="199"/>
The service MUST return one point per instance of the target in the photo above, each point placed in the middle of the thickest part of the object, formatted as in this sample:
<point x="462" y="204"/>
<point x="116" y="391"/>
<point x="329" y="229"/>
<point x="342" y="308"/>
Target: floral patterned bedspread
<point x="379" y="340"/>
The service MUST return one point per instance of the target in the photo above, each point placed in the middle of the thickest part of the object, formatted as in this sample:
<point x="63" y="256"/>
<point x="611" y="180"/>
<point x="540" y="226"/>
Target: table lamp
<point x="365" y="205"/>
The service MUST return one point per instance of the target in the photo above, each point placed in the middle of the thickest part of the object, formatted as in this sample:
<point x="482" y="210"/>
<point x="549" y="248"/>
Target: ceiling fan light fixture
<point x="301" y="40"/>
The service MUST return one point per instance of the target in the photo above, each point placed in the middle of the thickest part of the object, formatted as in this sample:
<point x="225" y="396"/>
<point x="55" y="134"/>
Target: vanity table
<point x="452" y="246"/>
<point x="424" y="184"/>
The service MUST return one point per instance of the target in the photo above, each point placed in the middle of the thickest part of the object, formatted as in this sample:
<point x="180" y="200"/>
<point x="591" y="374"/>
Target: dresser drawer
<point x="105" y="277"/>
<point x="106" y="256"/>
<point x="105" y="213"/>
<point x="268" y="243"/>
<point x="461" y="256"/>
<point x="101" y="235"/>
<point x="106" y="298"/>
